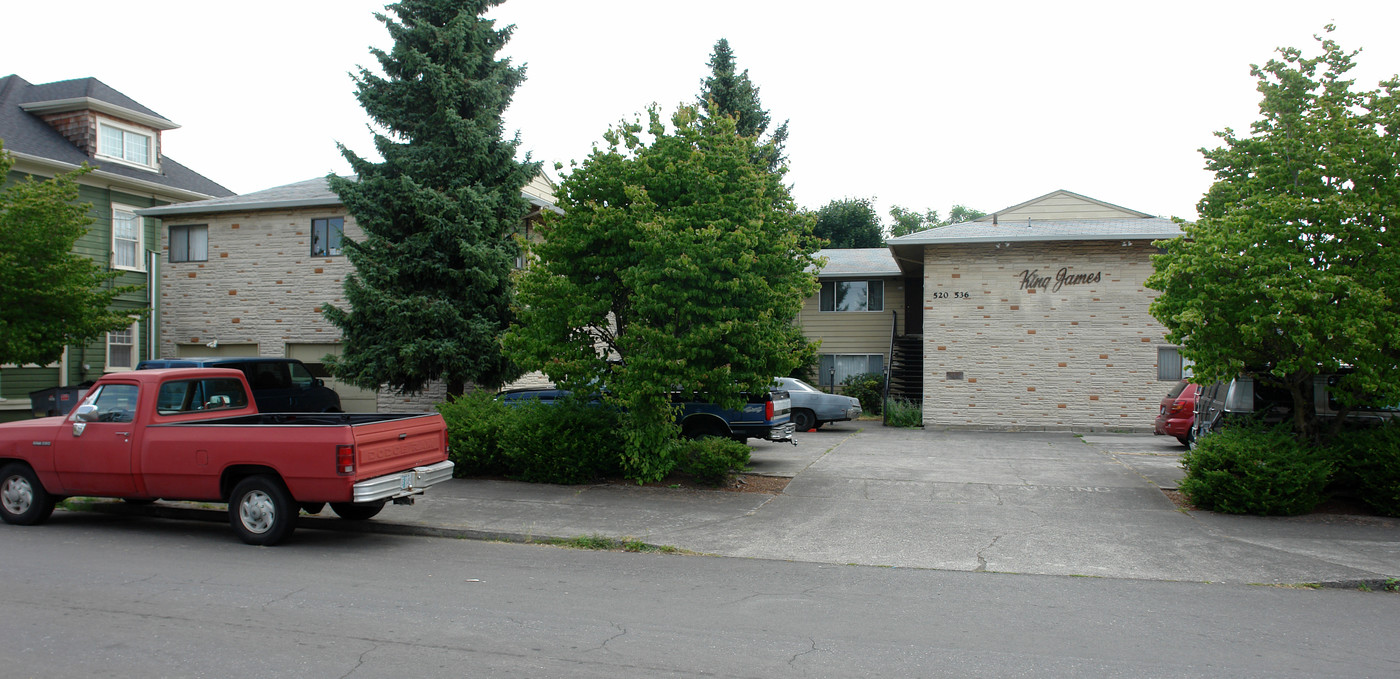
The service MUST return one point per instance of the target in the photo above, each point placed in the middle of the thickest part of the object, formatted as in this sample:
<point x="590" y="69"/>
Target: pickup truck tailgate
<point x="397" y="445"/>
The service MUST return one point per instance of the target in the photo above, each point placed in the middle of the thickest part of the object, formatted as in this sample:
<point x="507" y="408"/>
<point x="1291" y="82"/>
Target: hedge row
<point x="1259" y="469"/>
<point x="567" y="442"/>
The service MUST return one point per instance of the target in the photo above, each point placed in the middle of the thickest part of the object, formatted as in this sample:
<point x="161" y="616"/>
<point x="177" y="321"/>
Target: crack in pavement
<point x="813" y="649"/>
<point x="982" y="560"/>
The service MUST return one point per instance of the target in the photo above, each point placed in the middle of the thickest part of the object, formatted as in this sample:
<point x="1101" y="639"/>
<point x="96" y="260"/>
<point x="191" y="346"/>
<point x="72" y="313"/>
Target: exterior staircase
<point x="906" y="368"/>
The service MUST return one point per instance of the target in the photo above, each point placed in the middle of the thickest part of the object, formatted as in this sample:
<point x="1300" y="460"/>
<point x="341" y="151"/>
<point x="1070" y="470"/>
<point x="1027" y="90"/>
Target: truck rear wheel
<point x="261" y="510"/>
<point x="23" y="500"/>
<point x="356" y="512"/>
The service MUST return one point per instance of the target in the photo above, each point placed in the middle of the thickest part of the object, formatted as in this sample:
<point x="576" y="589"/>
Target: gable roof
<point x="1055" y="216"/>
<point x="308" y="193"/>
<point x="27" y="136"/>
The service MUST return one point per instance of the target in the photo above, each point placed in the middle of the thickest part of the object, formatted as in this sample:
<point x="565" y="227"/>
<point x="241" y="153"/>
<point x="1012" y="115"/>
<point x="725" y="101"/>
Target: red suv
<point x="1178" y="413"/>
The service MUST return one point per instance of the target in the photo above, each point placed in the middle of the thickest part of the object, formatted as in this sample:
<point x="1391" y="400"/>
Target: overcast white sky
<point x="920" y="104"/>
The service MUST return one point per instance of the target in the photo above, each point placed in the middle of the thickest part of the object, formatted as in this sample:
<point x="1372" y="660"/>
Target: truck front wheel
<point x="23" y="500"/>
<point x="356" y="512"/>
<point x="262" y="511"/>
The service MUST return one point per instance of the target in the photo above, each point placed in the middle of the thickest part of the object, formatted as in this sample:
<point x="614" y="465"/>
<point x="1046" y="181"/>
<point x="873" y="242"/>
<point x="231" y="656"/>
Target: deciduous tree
<point x="431" y="292"/>
<point x="1293" y="270"/>
<point x="849" y="223"/>
<point x="908" y="221"/>
<point x="679" y="264"/>
<point x="50" y="296"/>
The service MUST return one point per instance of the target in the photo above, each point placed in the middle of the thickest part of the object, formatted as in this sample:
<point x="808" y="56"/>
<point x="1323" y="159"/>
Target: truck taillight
<point x="768" y="410"/>
<point x="345" y="460"/>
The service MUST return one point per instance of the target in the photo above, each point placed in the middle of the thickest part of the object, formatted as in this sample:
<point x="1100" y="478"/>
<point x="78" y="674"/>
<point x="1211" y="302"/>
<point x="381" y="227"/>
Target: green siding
<point x="96" y="244"/>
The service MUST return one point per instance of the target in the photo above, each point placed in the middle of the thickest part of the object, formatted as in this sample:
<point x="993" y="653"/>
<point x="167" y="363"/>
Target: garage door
<point x="352" y="399"/>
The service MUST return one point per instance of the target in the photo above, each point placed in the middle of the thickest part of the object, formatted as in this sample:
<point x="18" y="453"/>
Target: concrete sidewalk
<point x="1044" y="503"/>
<point x="1041" y="503"/>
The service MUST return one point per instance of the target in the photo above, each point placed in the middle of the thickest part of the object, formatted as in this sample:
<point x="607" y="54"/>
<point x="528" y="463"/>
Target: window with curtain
<point x="189" y="243"/>
<point x="835" y="368"/>
<point x="126" y="239"/>
<point x="1170" y="365"/>
<point x="853" y="295"/>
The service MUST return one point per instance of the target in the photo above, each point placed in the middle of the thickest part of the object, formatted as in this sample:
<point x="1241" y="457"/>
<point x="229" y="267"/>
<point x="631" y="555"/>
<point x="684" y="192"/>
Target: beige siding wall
<point x="844" y="332"/>
<point x="1064" y="207"/>
<point x="262" y="288"/>
<point x="1083" y="357"/>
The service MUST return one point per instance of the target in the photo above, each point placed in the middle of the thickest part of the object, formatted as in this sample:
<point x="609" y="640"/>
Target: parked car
<point x="1221" y="403"/>
<point x="1177" y="413"/>
<point x="280" y="385"/>
<point x="812" y="407"/>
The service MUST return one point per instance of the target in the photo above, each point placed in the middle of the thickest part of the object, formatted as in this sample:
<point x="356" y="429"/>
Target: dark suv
<point x="280" y="385"/>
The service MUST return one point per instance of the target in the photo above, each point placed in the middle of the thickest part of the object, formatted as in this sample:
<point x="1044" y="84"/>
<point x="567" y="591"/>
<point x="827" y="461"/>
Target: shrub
<point x="1255" y="469"/>
<point x="569" y="441"/>
<point x="1368" y="462"/>
<point x="711" y="459"/>
<point x="868" y="387"/>
<point x="903" y="413"/>
<point x="474" y="425"/>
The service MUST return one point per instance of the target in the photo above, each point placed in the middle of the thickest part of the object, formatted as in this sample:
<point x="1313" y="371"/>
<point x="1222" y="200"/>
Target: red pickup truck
<point x="194" y="434"/>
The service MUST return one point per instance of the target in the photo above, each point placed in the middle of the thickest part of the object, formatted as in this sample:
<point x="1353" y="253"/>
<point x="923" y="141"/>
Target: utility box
<point x="55" y="400"/>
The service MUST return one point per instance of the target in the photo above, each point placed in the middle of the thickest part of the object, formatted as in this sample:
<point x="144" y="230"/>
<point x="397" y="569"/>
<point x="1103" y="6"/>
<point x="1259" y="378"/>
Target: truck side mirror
<point x="86" y="412"/>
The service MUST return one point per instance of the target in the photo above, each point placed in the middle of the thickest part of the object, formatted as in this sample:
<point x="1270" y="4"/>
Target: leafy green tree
<point x="50" y="296"/>
<point x="431" y="292"/>
<point x="849" y="223"/>
<point x="1292" y="270"/>
<point x="679" y="264"/>
<point x="908" y="221"/>
<point x="730" y="92"/>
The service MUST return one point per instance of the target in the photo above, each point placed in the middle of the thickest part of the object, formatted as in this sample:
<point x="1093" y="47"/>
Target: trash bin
<point x="54" y="400"/>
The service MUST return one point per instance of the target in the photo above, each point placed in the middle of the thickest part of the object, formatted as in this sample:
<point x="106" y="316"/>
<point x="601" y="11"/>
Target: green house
<point x="54" y="128"/>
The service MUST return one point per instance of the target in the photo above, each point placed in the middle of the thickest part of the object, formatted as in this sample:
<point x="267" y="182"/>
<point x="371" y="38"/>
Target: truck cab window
<point x="115" y="402"/>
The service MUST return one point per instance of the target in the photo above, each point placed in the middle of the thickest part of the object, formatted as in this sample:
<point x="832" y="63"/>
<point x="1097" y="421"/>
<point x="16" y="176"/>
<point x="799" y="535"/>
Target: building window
<point x="326" y="235"/>
<point x="121" y="348"/>
<point x="835" y="368"/>
<point x="189" y="243"/>
<point x="1171" y="366"/>
<point x="126" y="239"/>
<point x="853" y="295"/>
<point x="127" y="144"/>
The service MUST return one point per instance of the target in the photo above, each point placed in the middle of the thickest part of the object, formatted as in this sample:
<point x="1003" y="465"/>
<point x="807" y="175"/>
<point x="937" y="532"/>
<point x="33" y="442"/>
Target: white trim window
<point x="121" y="348"/>
<point x="127" y="240"/>
<point x="126" y="144"/>
<point x="853" y="295"/>
<point x="189" y="243"/>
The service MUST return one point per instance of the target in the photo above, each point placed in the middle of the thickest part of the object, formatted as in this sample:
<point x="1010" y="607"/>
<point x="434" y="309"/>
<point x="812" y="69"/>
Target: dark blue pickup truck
<point x="765" y="416"/>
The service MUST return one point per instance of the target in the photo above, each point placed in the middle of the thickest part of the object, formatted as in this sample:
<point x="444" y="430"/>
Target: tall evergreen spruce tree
<point x="431" y="292"/>
<point x="729" y="92"/>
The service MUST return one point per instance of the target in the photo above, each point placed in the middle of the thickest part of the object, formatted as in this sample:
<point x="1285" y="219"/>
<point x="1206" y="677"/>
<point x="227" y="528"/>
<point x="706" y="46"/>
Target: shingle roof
<point x="24" y="133"/>
<point x="857" y="262"/>
<point x="308" y="193"/>
<point x="1044" y="230"/>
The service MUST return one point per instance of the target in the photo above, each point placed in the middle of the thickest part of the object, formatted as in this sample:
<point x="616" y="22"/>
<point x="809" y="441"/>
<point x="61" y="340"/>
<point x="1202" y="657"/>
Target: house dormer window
<point x="126" y="144"/>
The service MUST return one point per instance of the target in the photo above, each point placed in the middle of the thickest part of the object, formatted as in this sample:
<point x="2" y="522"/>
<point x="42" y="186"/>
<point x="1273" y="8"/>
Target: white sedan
<point x="811" y="407"/>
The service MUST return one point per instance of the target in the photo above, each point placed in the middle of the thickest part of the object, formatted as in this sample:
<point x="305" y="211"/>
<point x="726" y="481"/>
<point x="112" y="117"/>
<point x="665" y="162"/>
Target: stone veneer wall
<point x="1081" y="358"/>
<point x="261" y="285"/>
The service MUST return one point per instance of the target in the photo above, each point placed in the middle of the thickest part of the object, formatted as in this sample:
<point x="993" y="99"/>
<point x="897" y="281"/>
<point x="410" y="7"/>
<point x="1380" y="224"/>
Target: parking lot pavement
<point x="1156" y="458"/>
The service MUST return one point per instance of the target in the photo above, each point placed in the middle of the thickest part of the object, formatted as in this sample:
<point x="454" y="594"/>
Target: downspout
<point x="153" y="261"/>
